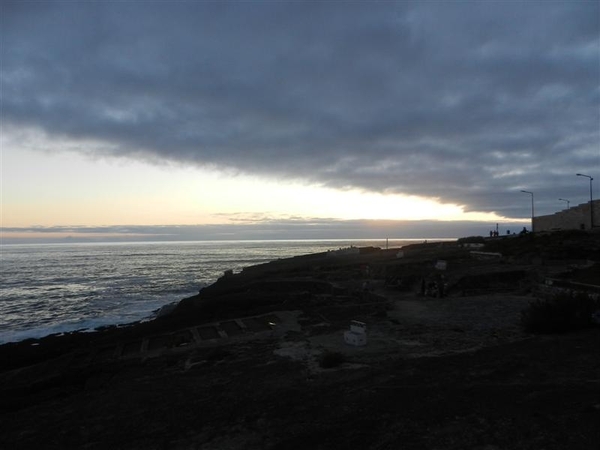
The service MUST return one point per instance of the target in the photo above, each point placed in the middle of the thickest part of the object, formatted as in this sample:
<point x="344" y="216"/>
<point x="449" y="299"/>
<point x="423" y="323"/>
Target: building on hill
<point x="575" y="218"/>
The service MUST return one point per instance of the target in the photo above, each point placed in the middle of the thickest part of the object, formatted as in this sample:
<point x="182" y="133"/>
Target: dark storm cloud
<point x="468" y="102"/>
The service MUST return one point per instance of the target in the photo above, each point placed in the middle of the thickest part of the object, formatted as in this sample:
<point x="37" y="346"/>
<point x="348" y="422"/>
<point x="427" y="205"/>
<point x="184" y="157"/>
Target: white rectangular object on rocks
<point x="356" y="339"/>
<point x="357" y="335"/>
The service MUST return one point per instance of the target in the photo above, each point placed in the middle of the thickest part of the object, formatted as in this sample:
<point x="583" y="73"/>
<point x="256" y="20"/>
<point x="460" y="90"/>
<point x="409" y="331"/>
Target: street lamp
<point x="591" y="202"/>
<point x="565" y="200"/>
<point x="532" y="214"/>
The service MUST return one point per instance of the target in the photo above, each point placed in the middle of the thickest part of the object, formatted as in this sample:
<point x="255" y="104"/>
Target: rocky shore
<point x="258" y="360"/>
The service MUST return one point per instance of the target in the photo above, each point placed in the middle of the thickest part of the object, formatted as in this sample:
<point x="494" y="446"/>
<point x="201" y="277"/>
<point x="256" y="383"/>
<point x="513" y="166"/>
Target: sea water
<point x="57" y="288"/>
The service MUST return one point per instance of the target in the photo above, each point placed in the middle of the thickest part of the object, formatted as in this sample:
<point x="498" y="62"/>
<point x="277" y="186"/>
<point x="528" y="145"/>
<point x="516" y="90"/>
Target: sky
<point x="294" y="119"/>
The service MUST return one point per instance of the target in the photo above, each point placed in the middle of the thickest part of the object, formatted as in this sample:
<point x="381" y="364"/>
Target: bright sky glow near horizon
<point x="274" y="118"/>
<point x="125" y="191"/>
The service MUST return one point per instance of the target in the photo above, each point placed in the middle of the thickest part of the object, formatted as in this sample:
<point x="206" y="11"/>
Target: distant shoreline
<point x="4" y="242"/>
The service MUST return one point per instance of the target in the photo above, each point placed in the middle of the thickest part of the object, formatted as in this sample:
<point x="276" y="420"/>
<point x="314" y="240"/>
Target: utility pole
<point x="532" y="212"/>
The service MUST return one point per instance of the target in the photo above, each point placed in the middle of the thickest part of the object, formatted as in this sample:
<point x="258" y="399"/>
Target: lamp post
<point x="565" y="200"/>
<point x="532" y="213"/>
<point x="591" y="201"/>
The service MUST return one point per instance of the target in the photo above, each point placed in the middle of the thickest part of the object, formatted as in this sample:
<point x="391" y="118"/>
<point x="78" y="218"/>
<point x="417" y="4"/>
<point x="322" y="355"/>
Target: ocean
<point x="57" y="288"/>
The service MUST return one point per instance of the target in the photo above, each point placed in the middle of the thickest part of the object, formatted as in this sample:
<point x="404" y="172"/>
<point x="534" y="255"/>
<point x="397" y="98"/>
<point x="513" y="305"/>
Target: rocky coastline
<point x="258" y="359"/>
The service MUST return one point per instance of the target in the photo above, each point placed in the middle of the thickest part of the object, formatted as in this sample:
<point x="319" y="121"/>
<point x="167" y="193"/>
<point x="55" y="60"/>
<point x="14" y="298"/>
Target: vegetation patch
<point x="560" y="313"/>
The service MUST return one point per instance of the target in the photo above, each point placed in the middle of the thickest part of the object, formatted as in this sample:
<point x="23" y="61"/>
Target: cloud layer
<point x="293" y="229"/>
<point x="467" y="102"/>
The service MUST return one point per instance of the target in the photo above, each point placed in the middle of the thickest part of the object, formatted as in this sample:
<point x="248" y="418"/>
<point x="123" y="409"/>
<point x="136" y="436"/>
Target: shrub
<point x="329" y="359"/>
<point x="559" y="313"/>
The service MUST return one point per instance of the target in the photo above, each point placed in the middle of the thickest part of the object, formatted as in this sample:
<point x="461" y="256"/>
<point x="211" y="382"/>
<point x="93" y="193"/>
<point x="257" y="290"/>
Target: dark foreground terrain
<point x="258" y="360"/>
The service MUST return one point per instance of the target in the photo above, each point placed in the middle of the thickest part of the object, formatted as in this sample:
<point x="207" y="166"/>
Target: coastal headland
<point x="259" y="360"/>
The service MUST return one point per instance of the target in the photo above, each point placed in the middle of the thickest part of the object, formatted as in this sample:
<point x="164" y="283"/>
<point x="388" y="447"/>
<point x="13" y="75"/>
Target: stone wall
<point x="575" y="218"/>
